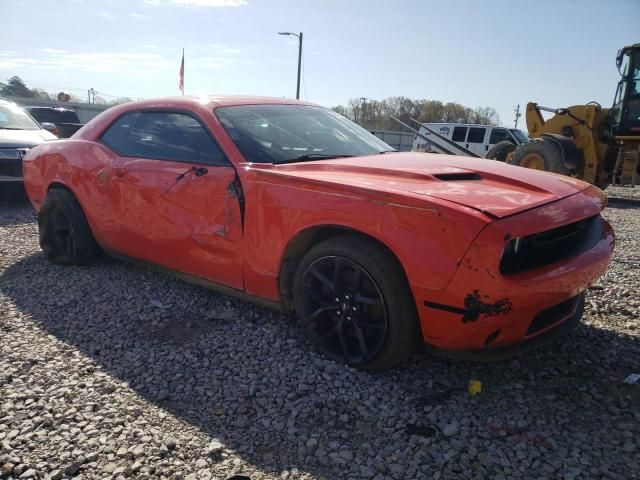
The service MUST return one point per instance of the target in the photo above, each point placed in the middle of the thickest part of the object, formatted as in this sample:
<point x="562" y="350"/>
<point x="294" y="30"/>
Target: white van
<point x="477" y="138"/>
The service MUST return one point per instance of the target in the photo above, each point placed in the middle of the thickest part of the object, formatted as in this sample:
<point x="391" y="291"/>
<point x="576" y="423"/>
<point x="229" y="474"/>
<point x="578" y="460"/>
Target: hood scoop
<point x="457" y="177"/>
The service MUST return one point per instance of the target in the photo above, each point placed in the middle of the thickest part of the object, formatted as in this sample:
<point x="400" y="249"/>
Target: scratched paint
<point x="475" y="307"/>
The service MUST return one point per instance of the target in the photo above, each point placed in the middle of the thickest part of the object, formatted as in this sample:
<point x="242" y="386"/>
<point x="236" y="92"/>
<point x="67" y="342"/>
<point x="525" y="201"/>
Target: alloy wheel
<point x="344" y="314"/>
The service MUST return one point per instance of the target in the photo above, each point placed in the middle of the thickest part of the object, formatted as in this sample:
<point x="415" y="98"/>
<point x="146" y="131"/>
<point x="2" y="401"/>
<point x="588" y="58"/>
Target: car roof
<point x="463" y="124"/>
<point x="214" y="101"/>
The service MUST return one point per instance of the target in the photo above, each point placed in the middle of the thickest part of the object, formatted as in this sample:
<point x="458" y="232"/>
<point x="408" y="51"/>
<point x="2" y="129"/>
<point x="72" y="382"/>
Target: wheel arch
<point x="59" y="185"/>
<point x="306" y="239"/>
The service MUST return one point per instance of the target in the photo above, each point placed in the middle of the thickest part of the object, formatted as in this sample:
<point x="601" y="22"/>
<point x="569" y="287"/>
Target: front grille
<point x="544" y="248"/>
<point x="552" y="315"/>
<point x="10" y="168"/>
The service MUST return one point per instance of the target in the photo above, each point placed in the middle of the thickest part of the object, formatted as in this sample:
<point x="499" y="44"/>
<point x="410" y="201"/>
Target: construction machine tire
<point x="500" y="151"/>
<point x="540" y="154"/>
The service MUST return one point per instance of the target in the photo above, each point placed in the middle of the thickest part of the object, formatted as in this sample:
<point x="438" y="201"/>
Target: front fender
<point x="428" y="240"/>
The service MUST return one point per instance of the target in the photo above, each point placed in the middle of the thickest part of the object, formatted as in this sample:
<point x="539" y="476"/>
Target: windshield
<point x="520" y="135"/>
<point x="13" y="117"/>
<point x="286" y="133"/>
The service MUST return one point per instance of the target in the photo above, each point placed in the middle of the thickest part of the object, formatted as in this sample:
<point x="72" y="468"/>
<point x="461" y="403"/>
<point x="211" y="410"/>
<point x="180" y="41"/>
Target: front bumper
<point x="483" y="310"/>
<point x="562" y="326"/>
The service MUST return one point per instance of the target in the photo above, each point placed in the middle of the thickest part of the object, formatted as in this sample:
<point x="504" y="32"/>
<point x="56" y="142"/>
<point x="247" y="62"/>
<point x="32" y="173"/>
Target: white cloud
<point x="55" y="51"/>
<point x="101" y="62"/>
<point x="142" y="63"/>
<point x="199" y="3"/>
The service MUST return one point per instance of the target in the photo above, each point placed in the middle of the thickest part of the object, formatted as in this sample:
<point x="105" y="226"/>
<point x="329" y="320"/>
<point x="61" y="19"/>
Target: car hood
<point x="23" y="138"/>
<point x="489" y="186"/>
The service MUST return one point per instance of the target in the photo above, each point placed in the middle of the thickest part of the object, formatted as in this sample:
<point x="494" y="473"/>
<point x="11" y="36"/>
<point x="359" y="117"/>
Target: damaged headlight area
<point x="544" y="248"/>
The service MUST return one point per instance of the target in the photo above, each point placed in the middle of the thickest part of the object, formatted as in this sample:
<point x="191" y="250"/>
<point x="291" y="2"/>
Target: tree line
<point x="15" y="87"/>
<point x="376" y="114"/>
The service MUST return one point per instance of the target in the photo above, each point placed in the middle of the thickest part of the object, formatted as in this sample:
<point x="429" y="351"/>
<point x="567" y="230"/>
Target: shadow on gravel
<point x="249" y="380"/>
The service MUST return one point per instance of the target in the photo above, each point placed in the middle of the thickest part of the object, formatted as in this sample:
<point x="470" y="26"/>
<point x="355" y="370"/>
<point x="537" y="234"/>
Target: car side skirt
<point x="202" y="282"/>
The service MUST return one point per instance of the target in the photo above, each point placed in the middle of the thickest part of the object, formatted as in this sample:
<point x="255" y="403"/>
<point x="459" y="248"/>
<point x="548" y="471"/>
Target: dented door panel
<point x="192" y="224"/>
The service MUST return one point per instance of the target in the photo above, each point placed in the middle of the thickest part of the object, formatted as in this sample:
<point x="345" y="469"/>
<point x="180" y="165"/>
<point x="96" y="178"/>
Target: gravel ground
<point x="112" y="371"/>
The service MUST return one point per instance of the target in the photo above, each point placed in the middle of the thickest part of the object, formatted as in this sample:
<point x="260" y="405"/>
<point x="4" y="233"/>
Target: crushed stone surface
<point x="114" y="371"/>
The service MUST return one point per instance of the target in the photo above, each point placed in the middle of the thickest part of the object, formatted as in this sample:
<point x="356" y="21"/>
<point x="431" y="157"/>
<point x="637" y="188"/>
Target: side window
<point x="476" y="135"/>
<point x="164" y="136"/>
<point x="498" y="135"/>
<point x="459" y="134"/>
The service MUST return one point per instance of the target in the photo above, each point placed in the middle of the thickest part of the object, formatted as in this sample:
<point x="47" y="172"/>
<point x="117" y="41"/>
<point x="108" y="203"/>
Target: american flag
<point x="181" y="81"/>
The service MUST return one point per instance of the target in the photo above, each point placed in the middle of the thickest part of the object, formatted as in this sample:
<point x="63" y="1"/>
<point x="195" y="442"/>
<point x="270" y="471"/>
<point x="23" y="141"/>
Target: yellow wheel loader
<point x="598" y="145"/>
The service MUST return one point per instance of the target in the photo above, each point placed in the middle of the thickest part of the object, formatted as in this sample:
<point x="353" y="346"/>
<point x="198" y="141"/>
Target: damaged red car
<point x="294" y="206"/>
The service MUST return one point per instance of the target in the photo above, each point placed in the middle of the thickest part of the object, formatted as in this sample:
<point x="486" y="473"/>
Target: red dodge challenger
<point x="294" y="206"/>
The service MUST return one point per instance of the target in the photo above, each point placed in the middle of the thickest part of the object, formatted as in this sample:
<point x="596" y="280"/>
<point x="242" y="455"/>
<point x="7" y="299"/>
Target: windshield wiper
<point x="312" y="156"/>
<point x="12" y="128"/>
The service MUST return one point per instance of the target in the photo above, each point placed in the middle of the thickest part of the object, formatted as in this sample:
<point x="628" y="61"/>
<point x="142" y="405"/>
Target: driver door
<point x="173" y="197"/>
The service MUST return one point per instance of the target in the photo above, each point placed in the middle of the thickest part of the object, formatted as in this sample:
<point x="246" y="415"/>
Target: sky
<point x="495" y="53"/>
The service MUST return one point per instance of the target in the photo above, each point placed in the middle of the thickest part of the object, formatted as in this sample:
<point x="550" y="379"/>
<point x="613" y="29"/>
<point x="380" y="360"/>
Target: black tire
<point x="500" y="151"/>
<point x="542" y="152"/>
<point x="367" y="318"/>
<point x="65" y="236"/>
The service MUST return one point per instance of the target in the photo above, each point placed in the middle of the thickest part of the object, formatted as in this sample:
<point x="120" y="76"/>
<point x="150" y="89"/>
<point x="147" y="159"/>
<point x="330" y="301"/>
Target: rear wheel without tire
<point x="500" y="151"/>
<point x="354" y="304"/>
<point x="65" y="236"/>
<point x="540" y="155"/>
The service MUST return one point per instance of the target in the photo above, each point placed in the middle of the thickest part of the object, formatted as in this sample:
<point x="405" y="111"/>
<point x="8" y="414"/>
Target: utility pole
<point x="364" y="116"/>
<point x="91" y="95"/>
<point x="299" y="64"/>
<point x="299" y="35"/>
<point x="518" y="115"/>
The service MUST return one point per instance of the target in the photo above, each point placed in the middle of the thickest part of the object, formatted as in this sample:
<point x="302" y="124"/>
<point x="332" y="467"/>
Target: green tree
<point x="15" y="87"/>
<point x="40" y="93"/>
<point x="376" y="114"/>
<point x="342" y="110"/>
<point x="431" y="111"/>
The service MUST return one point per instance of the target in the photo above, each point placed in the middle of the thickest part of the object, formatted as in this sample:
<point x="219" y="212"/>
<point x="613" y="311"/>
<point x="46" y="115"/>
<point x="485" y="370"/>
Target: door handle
<point x="119" y="171"/>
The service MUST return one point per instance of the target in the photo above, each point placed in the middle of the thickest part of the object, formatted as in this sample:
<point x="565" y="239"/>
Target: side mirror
<point x="619" y="58"/>
<point x="50" y="127"/>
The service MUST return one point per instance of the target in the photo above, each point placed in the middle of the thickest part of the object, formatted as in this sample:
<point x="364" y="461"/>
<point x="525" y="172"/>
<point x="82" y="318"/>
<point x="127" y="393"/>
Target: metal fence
<point x="401" y="141"/>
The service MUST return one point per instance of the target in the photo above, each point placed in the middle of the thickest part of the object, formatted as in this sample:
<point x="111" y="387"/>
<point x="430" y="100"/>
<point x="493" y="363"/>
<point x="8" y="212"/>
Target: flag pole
<point x="183" y="71"/>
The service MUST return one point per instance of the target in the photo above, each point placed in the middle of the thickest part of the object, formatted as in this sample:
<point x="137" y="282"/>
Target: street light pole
<point x="299" y="35"/>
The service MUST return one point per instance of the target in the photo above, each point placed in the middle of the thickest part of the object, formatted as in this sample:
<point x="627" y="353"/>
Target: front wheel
<point x="354" y="304"/>
<point x="540" y="154"/>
